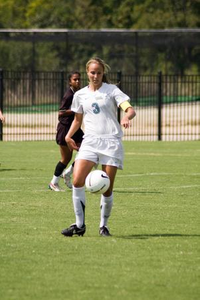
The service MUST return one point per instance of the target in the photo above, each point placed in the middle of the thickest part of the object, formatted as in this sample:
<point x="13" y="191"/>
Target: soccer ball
<point x="97" y="181"/>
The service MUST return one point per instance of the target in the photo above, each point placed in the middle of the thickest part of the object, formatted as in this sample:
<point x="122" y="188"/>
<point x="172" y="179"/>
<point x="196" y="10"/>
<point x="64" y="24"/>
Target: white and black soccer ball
<point x="97" y="181"/>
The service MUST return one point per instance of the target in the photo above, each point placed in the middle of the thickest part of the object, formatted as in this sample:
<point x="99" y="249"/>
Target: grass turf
<point x="154" y="249"/>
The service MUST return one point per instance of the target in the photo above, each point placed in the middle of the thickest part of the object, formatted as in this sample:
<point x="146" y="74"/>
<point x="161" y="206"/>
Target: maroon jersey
<point x="66" y="121"/>
<point x="65" y="105"/>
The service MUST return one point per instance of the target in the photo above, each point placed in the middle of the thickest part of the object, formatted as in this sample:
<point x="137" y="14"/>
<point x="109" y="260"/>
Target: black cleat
<point x="103" y="231"/>
<point x="73" y="229"/>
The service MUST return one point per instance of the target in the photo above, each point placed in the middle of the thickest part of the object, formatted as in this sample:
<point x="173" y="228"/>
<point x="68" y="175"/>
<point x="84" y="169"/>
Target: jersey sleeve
<point x="120" y="96"/>
<point x="76" y="105"/>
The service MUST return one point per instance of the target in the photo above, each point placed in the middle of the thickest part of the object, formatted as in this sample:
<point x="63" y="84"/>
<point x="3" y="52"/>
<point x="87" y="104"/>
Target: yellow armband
<point x="124" y="105"/>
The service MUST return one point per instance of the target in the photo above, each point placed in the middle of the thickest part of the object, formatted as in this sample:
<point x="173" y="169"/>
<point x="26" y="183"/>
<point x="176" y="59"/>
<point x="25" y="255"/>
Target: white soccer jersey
<point x="100" y="110"/>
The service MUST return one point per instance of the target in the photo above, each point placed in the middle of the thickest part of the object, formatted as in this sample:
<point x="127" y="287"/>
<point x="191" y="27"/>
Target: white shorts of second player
<point x="102" y="151"/>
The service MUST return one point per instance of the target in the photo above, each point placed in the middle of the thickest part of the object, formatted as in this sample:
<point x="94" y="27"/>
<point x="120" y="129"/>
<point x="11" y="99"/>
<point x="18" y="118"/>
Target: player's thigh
<point x="81" y="169"/>
<point x="111" y="171"/>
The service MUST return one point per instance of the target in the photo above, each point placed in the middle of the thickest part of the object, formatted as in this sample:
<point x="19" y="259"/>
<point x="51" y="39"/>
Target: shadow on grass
<point x="5" y="170"/>
<point x="157" y="235"/>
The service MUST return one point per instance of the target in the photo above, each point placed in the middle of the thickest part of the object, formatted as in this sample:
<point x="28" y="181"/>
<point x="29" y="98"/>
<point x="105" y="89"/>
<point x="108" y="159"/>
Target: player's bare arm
<point x="65" y="112"/>
<point x="76" y="124"/>
<point x="130" y="114"/>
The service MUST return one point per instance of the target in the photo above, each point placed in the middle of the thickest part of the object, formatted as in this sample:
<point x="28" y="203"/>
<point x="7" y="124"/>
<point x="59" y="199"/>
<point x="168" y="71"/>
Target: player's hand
<point x="2" y="118"/>
<point x="125" y="122"/>
<point x="71" y="144"/>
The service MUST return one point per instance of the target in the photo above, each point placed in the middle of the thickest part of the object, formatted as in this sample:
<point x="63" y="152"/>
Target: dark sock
<point x="59" y="169"/>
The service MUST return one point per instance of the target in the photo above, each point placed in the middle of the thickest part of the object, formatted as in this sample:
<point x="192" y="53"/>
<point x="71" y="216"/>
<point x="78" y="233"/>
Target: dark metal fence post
<point x="33" y="74"/>
<point x="1" y="103"/>
<point x="136" y="62"/>
<point x="33" y="79"/>
<point x="119" y="78"/>
<point x="61" y="85"/>
<point x="160" y="106"/>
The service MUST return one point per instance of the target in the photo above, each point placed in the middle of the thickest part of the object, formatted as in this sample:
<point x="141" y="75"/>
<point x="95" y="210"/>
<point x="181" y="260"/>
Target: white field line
<point x="124" y="189"/>
<point x="115" y="189"/>
<point x="185" y="186"/>
<point x="159" y="174"/>
<point x="29" y="191"/>
<point x="163" y="188"/>
<point x="118" y="175"/>
<point x="158" y="154"/>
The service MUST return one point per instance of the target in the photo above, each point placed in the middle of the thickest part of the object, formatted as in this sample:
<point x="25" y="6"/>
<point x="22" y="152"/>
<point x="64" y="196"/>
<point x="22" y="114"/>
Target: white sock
<point x="68" y="171"/>
<point x="79" y="200"/>
<point x="106" y="207"/>
<point x="55" y="179"/>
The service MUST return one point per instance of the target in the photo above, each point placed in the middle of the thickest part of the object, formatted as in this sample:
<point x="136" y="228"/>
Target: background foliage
<point x="110" y="14"/>
<point x="90" y="14"/>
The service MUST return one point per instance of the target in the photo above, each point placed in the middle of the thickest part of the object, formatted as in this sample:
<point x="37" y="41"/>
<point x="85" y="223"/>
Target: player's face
<point x="75" y="82"/>
<point x="95" y="74"/>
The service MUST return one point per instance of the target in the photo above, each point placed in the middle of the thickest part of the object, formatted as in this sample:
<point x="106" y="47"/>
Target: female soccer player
<point x="102" y="143"/>
<point x="66" y="117"/>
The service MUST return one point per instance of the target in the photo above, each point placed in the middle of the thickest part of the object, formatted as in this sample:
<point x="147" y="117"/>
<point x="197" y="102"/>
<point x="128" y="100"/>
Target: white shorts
<point x="102" y="151"/>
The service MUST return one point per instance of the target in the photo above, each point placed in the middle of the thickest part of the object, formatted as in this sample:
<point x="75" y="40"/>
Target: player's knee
<point x="78" y="182"/>
<point x="108" y="193"/>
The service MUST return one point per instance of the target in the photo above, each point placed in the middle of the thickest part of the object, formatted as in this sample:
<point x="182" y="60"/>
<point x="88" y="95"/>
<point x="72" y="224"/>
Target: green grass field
<point x="154" y="251"/>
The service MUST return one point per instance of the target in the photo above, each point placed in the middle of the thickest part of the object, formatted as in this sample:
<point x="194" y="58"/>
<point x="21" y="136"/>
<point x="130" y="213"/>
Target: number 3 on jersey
<point x="96" y="109"/>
